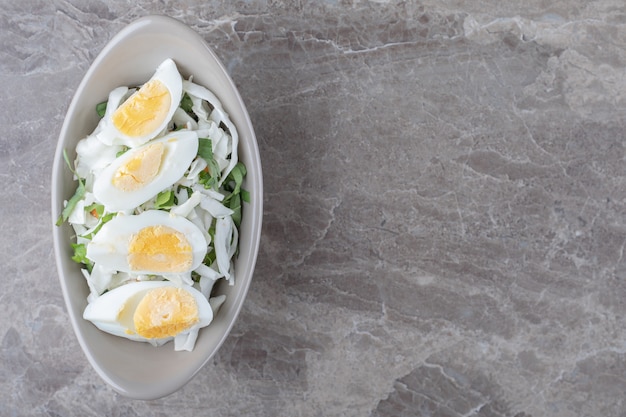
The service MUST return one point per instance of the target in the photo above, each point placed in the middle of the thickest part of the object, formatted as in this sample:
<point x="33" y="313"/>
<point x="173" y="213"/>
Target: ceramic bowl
<point x="134" y="369"/>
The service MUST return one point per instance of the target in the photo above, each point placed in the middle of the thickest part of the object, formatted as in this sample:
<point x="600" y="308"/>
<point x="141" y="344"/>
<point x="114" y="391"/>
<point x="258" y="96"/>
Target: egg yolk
<point x="140" y="169"/>
<point x="144" y="111"/>
<point x="165" y="312"/>
<point x="159" y="249"/>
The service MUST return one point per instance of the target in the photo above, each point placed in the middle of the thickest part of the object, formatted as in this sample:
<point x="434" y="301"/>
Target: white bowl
<point x="139" y="370"/>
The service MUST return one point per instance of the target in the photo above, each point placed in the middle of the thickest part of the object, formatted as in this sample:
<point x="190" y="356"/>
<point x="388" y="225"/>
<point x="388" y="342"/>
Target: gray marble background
<point x="445" y="208"/>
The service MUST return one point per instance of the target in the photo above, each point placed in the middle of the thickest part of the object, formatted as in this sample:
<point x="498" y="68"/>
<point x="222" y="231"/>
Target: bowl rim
<point x="252" y="216"/>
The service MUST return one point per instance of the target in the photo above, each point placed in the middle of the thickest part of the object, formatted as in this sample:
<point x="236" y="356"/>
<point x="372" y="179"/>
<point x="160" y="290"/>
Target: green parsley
<point x="80" y="255"/>
<point x="78" y="194"/>
<point x="97" y="210"/>
<point x="210" y="177"/>
<point x="101" y="108"/>
<point x="185" y="103"/>
<point x="165" y="200"/>
<point x="122" y="151"/>
<point x="103" y="220"/>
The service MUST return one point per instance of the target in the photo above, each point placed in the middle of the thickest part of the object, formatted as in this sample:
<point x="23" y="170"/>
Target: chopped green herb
<point x="234" y="180"/>
<point x="103" y="220"/>
<point x="80" y="255"/>
<point x="188" y="189"/>
<point x="186" y="103"/>
<point x="71" y="203"/>
<point x="67" y="162"/>
<point x="122" y="151"/>
<point x="210" y="257"/>
<point x="245" y="195"/>
<point x="206" y="179"/>
<point x="237" y="175"/>
<point x="165" y="200"/>
<point x="210" y="177"/>
<point x="237" y="195"/>
<point x="101" y="108"/>
<point x="98" y="208"/>
<point x="205" y="149"/>
<point x="78" y="194"/>
<point x="235" y="205"/>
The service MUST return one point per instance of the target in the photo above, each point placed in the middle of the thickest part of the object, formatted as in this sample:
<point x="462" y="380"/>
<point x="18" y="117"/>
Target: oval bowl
<point x="139" y="370"/>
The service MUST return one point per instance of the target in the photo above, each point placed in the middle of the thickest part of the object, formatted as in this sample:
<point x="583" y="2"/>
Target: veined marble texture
<point x="445" y="206"/>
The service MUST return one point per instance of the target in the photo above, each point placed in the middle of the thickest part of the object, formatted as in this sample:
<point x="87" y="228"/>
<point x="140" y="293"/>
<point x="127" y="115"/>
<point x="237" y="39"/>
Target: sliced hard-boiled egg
<point x="146" y="113"/>
<point x="154" y="242"/>
<point x="150" y="311"/>
<point x="141" y="173"/>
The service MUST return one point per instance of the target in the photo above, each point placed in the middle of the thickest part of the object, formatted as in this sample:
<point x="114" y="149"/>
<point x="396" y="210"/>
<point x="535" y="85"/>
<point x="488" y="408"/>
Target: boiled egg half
<point x="147" y="112"/>
<point x="154" y="242"/>
<point x="150" y="311"/>
<point x="141" y="173"/>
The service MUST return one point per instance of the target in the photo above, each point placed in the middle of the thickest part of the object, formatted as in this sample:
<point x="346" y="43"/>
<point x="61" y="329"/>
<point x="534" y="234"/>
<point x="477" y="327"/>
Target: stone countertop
<point x="445" y="202"/>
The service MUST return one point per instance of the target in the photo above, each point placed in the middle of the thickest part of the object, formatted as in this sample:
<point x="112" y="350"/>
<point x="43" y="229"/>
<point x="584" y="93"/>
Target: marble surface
<point x="445" y="205"/>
